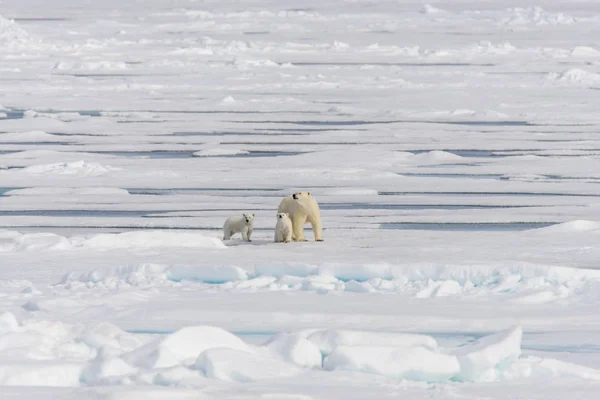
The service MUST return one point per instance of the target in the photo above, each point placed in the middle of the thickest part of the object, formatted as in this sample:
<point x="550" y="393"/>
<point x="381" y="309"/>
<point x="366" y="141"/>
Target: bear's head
<point x="300" y="195"/>
<point x="283" y="216"/>
<point x="248" y="217"/>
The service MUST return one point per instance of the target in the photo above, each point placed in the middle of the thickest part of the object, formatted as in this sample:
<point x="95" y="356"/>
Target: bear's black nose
<point x="294" y="196"/>
<point x="280" y="217"/>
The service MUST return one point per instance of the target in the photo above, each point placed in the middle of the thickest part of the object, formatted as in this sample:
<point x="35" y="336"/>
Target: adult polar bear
<point x="302" y="208"/>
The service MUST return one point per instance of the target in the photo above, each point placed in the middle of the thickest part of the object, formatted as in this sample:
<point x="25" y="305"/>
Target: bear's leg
<point x="317" y="229"/>
<point x="298" y="227"/>
<point x="245" y="235"/>
<point x="249" y="234"/>
<point x="288" y="236"/>
<point x="226" y="232"/>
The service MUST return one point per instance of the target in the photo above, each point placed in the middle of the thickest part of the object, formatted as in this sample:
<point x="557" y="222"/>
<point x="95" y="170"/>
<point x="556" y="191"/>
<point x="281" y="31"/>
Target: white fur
<point x="302" y="208"/>
<point x="283" y="229"/>
<point x="239" y="224"/>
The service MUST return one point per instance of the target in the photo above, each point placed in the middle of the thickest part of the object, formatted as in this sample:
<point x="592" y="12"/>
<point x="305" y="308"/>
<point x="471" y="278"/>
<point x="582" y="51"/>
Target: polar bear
<point x="283" y="229"/>
<point x="239" y="224"/>
<point x="302" y="208"/>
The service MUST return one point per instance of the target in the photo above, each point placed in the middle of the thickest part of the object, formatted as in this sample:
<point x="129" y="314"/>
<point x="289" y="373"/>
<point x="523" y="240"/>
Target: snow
<point x="480" y="359"/>
<point x="296" y="349"/>
<point x="452" y="147"/>
<point x="183" y="345"/>
<point x="327" y="341"/>
<point x="227" y="364"/>
<point x="414" y="363"/>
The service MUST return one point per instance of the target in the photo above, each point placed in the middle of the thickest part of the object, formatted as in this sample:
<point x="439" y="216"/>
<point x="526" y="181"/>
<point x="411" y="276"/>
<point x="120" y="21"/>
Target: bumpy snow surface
<point x="453" y="148"/>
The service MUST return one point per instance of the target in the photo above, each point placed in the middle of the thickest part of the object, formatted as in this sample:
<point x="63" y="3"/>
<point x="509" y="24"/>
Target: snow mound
<point x="79" y="168"/>
<point x="32" y="136"/>
<point x="328" y="340"/>
<point x="153" y="274"/>
<point x="104" y="65"/>
<point x="536" y="16"/>
<point x="585" y="52"/>
<point x="579" y="225"/>
<point x="104" y="367"/>
<point x="481" y="360"/>
<point x="232" y="365"/>
<point x="33" y="242"/>
<point x="219" y="152"/>
<point x="10" y="31"/>
<point x="8" y="323"/>
<point x="436" y="156"/>
<point x="108" y="336"/>
<point x="153" y="239"/>
<point x="429" y="9"/>
<point x="548" y="368"/>
<point x="575" y="76"/>
<point x="52" y="373"/>
<point x="208" y="273"/>
<point x="184" y="346"/>
<point x="413" y="363"/>
<point x="296" y="349"/>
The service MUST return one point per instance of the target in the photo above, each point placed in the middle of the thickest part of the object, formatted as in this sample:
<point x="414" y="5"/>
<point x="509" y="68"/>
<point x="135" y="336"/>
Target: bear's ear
<point x="253" y="215"/>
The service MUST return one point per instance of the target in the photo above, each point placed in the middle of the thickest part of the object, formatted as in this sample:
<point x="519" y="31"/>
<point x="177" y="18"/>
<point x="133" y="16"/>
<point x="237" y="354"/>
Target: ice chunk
<point x="207" y="273"/>
<point x="414" y="363"/>
<point x="105" y="367"/>
<point x="239" y="366"/>
<point x="296" y="349"/>
<point x="8" y="323"/>
<point x="279" y="270"/>
<point x="480" y="360"/>
<point x="37" y="373"/>
<point x="328" y="340"/>
<point x="184" y="345"/>
<point x="106" y="334"/>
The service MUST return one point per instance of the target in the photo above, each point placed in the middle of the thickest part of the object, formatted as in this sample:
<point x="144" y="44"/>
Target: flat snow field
<point x="453" y="147"/>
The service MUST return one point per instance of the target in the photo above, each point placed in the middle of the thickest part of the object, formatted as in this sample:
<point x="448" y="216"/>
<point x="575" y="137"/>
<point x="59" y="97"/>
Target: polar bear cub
<point x="283" y="229"/>
<point x="302" y="208"/>
<point x="239" y="224"/>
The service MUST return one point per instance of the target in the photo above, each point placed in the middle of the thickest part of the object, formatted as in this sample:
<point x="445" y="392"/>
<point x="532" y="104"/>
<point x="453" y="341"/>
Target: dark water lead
<point x="451" y="175"/>
<point x="466" y="227"/>
<point x="197" y="191"/>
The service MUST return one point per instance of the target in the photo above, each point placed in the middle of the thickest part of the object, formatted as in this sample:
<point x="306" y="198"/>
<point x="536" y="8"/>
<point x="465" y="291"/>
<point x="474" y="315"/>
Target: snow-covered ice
<point x="452" y="147"/>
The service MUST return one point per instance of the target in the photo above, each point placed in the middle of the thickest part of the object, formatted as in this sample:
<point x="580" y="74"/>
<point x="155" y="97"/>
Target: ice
<point x="130" y="131"/>
<point x="11" y="32"/>
<point x="80" y="168"/>
<point x="184" y="346"/>
<point x="216" y="152"/>
<point x="571" y="226"/>
<point x="152" y="239"/>
<point x="105" y="367"/>
<point x="8" y="323"/>
<point x="296" y="349"/>
<point x="481" y="360"/>
<point x="34" y="242"/>
<point x="413" y="363"/>
<point x="328" y="340"/>
<point x="52" y="373"/>
<point x="229" y="364"/>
